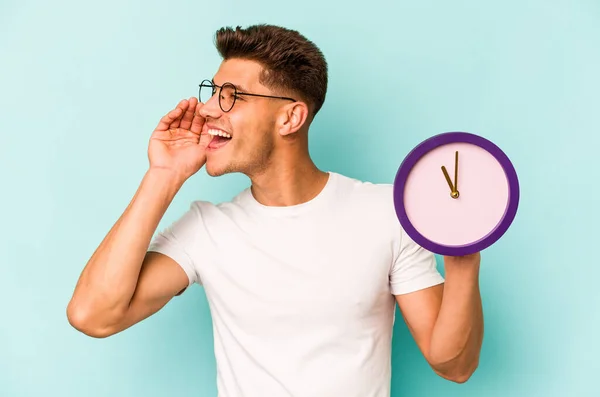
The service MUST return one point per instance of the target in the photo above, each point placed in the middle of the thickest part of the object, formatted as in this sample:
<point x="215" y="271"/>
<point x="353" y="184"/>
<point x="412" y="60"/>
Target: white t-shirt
<point x="301" y="297"/>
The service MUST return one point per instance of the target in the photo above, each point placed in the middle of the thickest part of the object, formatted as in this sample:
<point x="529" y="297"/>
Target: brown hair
<point x="291" y="62"/>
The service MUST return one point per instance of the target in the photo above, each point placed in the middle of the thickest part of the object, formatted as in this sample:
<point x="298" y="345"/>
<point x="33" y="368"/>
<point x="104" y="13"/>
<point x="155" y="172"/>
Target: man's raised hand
<point x="177" y="144"/>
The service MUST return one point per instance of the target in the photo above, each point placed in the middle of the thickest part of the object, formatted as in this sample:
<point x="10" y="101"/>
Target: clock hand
<point x="448" y="179"/>
<point x="456" y="172"/>
<point x="453" y="191"/>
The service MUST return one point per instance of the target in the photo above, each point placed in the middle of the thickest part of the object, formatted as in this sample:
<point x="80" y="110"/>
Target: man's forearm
<point x="109" y="279"/>
<point x="458" y="332"/>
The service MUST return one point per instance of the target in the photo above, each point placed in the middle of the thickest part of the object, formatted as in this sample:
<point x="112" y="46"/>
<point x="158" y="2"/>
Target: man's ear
<point x="292" y="118"/>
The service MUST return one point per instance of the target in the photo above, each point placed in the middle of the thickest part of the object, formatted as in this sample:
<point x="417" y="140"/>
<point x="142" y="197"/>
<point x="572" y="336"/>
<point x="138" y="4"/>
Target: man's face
<point x="250" y="123"/>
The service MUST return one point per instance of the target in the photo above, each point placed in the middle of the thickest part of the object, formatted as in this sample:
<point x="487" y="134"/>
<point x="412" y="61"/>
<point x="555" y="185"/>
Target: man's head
<point x="280" y="81"/>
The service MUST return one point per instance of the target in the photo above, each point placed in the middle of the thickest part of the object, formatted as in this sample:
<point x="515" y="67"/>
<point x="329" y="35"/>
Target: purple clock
<point x="456" y="193"/>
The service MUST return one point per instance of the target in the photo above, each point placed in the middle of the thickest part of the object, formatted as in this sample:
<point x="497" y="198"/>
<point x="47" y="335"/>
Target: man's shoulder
<point x="365" y="190"/>
<point x="374" y="200"/>
<point x="205" y="207"/>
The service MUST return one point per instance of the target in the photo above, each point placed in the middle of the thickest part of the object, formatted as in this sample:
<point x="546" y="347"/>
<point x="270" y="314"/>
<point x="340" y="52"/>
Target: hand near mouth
<point x="177" y="143"/>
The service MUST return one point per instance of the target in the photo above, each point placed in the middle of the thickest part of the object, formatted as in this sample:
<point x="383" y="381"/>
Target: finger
<point x="186" y="120"/>
<point x="171" y="119"/>
<point x="167" y="120"/>
<point x="180" y="133"/>
<point x="183" y="142"/>
<point x="187" y="141"/>
<point x="204" y="140"/>
<point x="174" y="135"/>
<point x="183" y="104"/>
<point x="198" y="120"/>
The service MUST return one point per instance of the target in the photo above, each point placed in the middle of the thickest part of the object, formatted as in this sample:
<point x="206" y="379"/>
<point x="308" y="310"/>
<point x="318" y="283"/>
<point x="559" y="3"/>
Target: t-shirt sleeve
<point x="177" y="241"/>
<point x="414" y="267"/>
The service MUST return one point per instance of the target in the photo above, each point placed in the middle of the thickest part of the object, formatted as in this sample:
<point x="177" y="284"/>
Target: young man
<point x="303" y="269"/>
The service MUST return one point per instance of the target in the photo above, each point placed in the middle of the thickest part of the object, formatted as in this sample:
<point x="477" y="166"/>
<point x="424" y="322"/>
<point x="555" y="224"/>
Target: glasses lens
<point x="227" y="98"/>
<point x="207" y="90"/>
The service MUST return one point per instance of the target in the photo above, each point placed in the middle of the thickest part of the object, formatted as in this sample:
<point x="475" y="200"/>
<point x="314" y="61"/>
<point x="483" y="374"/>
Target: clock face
<point x="456" y="193"/>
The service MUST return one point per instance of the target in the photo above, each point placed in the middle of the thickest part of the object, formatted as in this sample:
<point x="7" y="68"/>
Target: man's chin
<point x="216" y="169"/>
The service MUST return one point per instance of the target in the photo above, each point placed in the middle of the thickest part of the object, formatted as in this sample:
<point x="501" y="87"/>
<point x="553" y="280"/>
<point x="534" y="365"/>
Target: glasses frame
<point x="209" y="83"/>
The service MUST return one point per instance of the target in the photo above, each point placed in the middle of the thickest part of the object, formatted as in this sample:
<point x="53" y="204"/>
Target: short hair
<point x="291" y="62"/>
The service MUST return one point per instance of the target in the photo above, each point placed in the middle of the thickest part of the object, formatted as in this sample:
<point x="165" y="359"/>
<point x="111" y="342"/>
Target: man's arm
<point x="446" y="320"/>
<point x="122" y="283"/>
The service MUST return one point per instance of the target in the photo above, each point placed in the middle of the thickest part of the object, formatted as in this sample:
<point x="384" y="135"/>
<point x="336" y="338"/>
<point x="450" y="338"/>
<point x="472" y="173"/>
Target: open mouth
<point x="220" y="138"/>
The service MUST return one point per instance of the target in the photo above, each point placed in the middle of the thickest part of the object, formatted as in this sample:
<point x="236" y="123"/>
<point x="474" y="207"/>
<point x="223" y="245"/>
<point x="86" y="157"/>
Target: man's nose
<point x="211" y="108"/>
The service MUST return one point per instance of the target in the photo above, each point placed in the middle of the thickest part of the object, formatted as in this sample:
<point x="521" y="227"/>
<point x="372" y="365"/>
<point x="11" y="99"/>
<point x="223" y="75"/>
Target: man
<point x="303" y="269"/>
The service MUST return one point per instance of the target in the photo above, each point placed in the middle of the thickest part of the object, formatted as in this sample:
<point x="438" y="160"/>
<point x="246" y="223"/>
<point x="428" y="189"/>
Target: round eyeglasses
<point x="228" y="94"/>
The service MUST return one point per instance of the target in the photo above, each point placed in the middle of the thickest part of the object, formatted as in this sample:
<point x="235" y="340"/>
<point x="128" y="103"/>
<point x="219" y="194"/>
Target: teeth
<point x="219" y="133"/>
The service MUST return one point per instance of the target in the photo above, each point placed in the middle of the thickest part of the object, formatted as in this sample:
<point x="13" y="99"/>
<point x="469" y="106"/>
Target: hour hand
<point x="448" y="178"/>
<point x="453" y="191"/>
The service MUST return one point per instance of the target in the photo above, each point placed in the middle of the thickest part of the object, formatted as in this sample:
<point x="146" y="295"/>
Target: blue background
<point x="82" y="85"/>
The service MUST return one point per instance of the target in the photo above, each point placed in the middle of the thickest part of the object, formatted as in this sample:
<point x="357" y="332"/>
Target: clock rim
<point x="443" y="139"/>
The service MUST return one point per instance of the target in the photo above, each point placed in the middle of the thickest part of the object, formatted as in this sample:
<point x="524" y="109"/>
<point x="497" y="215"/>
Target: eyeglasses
<point x="228" y="94"/>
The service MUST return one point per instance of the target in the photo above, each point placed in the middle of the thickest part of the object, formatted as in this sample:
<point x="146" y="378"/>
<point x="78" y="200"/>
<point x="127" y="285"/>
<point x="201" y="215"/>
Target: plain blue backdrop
<point x="82" y="85"/>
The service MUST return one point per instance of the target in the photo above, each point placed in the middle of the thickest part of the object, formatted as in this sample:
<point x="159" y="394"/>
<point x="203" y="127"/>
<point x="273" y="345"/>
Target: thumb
<point x="204" y="140"/>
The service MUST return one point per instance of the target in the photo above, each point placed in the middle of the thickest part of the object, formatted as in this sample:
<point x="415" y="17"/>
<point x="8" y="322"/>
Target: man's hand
<point x="177" y="144"/>
<point x="471" y="262"/>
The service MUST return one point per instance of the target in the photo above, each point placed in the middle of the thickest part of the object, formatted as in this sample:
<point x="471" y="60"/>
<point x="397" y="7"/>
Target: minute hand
<point x="456" y="172"/>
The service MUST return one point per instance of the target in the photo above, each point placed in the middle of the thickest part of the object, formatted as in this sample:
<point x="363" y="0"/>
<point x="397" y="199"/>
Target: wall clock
<point x="456" y="193"/>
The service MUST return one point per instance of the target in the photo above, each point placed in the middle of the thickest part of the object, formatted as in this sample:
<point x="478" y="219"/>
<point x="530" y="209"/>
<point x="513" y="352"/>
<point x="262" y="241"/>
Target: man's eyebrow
<point x="237" y="86"/>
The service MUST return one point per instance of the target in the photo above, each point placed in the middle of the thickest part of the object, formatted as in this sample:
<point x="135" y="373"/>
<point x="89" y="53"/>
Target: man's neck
<point x="288" y="184"/>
